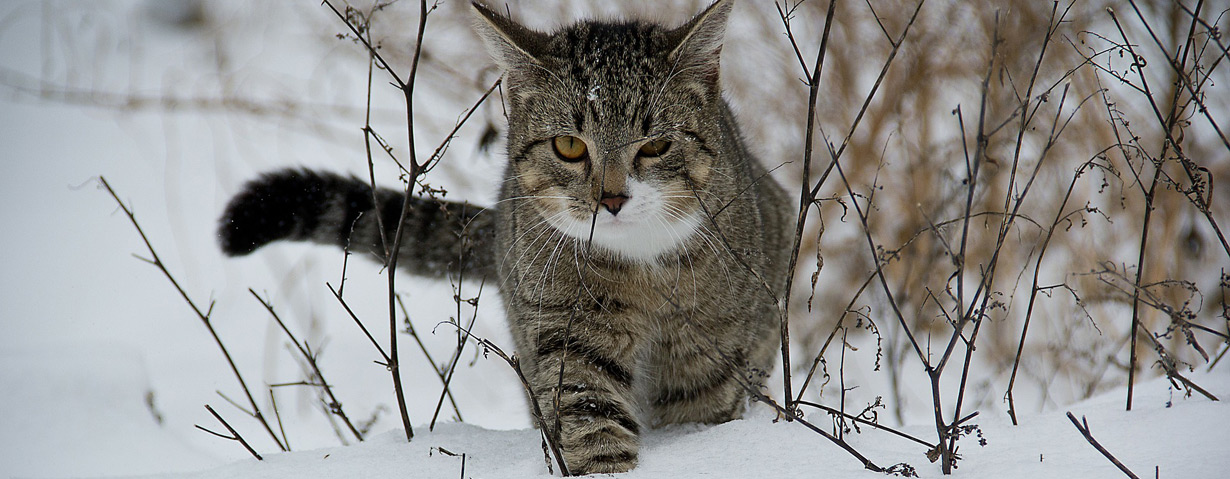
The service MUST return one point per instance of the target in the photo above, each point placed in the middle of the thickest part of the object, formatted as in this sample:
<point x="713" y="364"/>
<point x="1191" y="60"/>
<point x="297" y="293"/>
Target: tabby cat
<point x="637" y="245"/>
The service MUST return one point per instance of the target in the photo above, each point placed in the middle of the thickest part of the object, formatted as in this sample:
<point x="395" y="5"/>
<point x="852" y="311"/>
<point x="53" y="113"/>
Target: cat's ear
<point x="510" y="44"/>
<point x="700" y="40"/>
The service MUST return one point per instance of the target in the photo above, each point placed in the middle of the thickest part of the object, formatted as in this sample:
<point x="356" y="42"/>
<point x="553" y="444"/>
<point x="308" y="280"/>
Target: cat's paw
<point x="603" y="464"/>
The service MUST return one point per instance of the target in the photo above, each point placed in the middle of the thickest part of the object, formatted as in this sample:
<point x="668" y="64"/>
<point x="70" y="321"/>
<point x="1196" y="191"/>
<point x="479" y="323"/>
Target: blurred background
<point x="178" y="103"/>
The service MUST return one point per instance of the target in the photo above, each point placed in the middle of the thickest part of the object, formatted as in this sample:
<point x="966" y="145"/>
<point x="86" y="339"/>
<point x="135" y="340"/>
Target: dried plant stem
<point x="415" y="170"/>
<point x="811" y="372"/>
<point x="335" y="406"/>
<point x="277" y="415"/>
<point x="860" y="420"/>
<point x="806" y="196"/>
<point x="463" y="336"/>
<point x="384" y="356"/>
<point x="1140" y="271"/>
<point x="759" y="396"/>
<point x="408" y="90"/>
<point x="234" y="435"/>
<point x="1179" y="66"/>
<point x="535" y="407"/>
<point x="972" y="167"/>
<point x="1083" y="427"/>
<point x="427" y="354"/>
<point x="1168" y="124"/>
<point x="255" y="411"/>
<point x="1173" y="373"/>
<point x="1034" y="289"/>
<point x="809" y="191"/>
<point x="973" y="310"/>
<point x="1052" y="27"/>
<point x="368" y="134"/>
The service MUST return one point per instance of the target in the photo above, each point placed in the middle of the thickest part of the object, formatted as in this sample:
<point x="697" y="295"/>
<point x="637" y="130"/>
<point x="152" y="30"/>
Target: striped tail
<point x="439" y="237"/>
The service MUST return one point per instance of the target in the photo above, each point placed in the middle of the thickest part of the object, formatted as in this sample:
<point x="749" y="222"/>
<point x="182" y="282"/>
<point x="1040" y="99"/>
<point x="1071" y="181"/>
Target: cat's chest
<point x="648" y="290"/>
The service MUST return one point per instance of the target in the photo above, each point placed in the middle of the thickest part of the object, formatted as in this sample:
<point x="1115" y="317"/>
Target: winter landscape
<point x="106" y="369"/>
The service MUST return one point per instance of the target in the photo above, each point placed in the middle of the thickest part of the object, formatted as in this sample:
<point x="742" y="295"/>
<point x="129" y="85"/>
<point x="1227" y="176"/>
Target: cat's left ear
<point x="700" y="40"/>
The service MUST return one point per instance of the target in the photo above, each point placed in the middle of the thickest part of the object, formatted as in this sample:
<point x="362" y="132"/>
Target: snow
<point x="104" y="371"/>
<point x="1180" y="437"/>
<point x="1186" y="439"/>
<point x="74" y="409"/>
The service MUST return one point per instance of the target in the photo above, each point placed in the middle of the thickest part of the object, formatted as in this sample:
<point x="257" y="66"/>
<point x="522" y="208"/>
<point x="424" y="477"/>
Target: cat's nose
<point x="613" y="203"/>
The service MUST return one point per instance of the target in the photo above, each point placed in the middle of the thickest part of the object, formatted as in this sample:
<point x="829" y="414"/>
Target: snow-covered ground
<point x="104" y="370"/>
<point x="83" y="415"/>
<point x="1166" y="434"/>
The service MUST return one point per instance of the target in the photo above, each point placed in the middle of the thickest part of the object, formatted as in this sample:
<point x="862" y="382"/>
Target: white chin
<point x="639" y="240"/>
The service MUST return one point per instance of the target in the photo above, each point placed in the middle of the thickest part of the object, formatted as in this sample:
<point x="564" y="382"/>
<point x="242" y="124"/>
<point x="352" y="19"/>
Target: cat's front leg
<point x="590" y="405"/>
<point x="708" y="363"/>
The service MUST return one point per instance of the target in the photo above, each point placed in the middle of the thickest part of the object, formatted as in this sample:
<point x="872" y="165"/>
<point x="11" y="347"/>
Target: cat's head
<point x="614" y="128"/>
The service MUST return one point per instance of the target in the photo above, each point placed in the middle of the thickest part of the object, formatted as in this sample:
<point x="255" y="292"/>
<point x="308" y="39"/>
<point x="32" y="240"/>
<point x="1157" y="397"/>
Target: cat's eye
<point x="569" y="148"/>
<point x="655" y="148"/>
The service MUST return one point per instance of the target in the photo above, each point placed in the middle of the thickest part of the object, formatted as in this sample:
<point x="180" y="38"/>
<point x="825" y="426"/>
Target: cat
<point x="637" y="244"/>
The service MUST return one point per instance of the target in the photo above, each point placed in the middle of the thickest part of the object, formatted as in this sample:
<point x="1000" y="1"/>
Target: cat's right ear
<point x="510" y="44"/>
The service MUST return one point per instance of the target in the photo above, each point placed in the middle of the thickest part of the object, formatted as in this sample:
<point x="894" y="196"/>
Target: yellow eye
<point x="655" y="148"/>
<point x="569" y="148"/>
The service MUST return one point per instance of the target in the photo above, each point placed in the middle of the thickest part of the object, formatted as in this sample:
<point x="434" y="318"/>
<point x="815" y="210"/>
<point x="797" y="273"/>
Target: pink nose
<point x="613" y="203"/>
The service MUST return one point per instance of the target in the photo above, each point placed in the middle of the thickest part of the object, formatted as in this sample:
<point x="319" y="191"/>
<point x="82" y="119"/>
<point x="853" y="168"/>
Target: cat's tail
<point x="439" y="237"/>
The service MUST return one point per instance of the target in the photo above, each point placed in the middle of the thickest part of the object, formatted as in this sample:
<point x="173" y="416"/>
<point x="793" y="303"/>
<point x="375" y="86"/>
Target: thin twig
<point x="535" y="408"/>
<point x="1083" y="427"/>
<point x="438" y="154"/>
<point x="383" y="356"/>
<point x="806" y="198"/>
<point x="427" y="354"/>
<point x="1034" y="289"/>
<point x="462" y="339"/>
<point x="1168" y="125"/>
<point x="866" y="422"/>
<point x="203" y="316"/>
<point x="234" y="435"/>
<point x="335" y="406"/>
<point x="392" y="253"/>
<point x="1052" y="26"/>
<point x="758" y="396"/>
<point x="277" y="415"/>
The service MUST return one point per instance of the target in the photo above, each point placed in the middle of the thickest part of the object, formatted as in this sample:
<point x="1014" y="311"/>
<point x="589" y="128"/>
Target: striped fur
<point x="302" y="205"/>
<point x="640" y="289"/>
